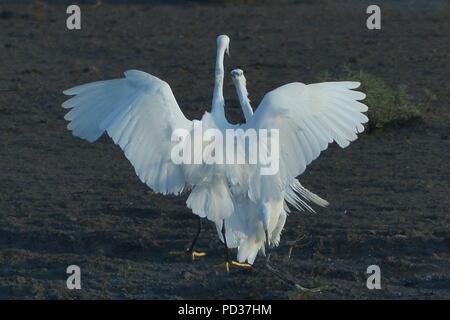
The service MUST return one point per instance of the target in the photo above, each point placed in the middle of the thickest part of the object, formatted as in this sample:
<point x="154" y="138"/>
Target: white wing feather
<point x="139" y="112"/>
<point x="308" y="117"/>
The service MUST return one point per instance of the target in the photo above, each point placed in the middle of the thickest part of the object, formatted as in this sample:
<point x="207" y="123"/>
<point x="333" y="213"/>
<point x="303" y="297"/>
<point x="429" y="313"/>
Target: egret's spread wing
<point x="308" y="117"/>
<point x="139" y="112"/>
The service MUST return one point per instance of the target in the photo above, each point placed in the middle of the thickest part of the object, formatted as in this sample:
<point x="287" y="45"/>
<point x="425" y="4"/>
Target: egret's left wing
<point x="308" y="118"/>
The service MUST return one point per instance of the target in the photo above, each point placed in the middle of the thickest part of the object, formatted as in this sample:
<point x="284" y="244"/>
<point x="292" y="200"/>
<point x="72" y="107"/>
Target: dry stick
<point x="285" y="279"/>
<point x="293" y="244"/>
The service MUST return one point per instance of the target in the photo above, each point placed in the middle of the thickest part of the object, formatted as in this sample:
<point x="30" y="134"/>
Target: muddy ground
<point x="65" y="201"/>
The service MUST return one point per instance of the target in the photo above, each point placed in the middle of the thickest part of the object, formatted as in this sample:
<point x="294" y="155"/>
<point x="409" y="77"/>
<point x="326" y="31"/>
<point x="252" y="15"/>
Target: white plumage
<point x="308" y="117"/>
<point x="140" y="113"/>
<point x="125" y="109"/>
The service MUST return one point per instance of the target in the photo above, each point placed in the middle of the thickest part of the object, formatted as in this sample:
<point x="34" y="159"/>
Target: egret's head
<point x="237" y="75"/>
<point x="223" y="43"/>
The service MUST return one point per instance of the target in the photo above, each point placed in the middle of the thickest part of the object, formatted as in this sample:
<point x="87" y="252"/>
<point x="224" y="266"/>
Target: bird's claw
<point x="232" y="263"/>
<point x="195" y="254"/>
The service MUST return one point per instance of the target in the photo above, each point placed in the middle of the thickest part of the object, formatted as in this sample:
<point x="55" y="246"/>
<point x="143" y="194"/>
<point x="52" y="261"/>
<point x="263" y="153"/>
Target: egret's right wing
<point x="139" y="112"/>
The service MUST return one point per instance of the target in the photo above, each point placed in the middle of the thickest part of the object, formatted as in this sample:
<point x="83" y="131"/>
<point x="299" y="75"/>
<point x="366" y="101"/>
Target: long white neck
<point x="242" y="93"/>
<point x="218" y="102"/>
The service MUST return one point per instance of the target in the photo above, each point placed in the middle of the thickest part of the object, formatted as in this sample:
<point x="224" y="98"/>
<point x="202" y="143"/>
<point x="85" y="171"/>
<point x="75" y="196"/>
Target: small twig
<point x="294" y="244"/>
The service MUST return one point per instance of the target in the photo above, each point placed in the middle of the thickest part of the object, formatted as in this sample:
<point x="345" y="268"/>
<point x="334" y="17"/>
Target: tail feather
<point x="296" y="192"/>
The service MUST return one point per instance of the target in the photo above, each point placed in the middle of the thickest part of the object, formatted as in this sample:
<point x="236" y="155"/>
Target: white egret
<point x="140" y="113"/>
<point x="308" y="117"/>
<point x="246" y="220"/>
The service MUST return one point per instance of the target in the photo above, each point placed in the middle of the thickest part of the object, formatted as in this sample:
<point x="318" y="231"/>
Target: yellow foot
<point x="194" y="254"/>
<point x="229" y="264"/>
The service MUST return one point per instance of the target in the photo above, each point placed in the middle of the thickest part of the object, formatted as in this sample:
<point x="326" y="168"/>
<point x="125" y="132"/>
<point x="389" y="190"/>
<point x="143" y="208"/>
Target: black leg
<point x="194" y="242"/>
<point x="228" y="261"/>
<point x="191" y="250"/>
<point x="225" y="241"/>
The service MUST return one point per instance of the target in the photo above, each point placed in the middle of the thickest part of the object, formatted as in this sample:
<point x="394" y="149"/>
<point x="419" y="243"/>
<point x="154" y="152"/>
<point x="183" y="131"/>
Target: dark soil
<point x="65" y="201"/>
